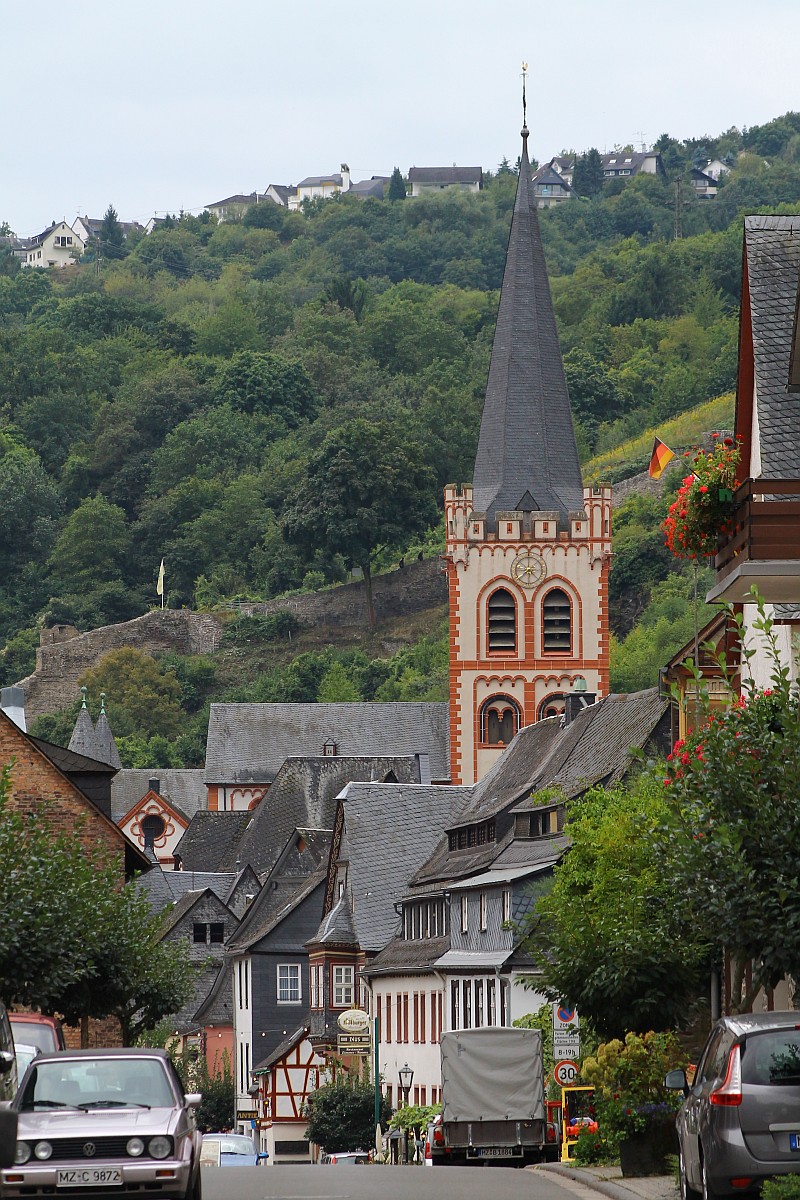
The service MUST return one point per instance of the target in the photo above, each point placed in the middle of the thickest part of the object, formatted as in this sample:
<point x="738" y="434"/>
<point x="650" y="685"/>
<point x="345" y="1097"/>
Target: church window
<point x="152" y="827"/>
<point x="557" y="622"/>
<point x="552" y="706"/>
<point x="500" y="720"/>
<point x="502" y="613"/>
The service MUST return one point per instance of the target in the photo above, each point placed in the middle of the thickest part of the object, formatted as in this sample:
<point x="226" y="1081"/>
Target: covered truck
<point x="493" y="1107"/>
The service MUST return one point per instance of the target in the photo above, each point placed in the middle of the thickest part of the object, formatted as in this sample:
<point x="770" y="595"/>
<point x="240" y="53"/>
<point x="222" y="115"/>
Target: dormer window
<point x="330" y="749"/>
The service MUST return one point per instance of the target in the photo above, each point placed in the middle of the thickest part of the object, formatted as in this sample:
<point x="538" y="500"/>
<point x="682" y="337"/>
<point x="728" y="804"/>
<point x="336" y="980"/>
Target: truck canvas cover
<point x="492" y="1075"/>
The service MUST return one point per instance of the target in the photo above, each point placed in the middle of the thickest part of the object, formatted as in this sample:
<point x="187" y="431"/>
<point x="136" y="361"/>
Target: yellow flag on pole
<point x="160" y="584"/>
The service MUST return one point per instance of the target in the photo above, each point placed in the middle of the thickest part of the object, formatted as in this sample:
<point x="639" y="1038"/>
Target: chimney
<point x="345" y="172"/>
<point x="12" y="702"/>
<point x="423" y="767"/>
<point x="154" y="785"/>
<point x="576" y="700"/>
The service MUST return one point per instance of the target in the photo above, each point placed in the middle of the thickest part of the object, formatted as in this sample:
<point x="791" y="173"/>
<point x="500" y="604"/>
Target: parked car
<point x="739" y="1122"/>
<point x="34" y="1029"/>
<point x="235" y="1150"/>
<point x="345" y="1158"/>
<point x="8" y="1058"/>
<point x="104" y="1119"/>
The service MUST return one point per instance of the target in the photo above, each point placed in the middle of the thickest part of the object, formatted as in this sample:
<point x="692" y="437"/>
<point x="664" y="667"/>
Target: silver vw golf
<point x="104" y="1121"/>
<point x="739" y="1122"/>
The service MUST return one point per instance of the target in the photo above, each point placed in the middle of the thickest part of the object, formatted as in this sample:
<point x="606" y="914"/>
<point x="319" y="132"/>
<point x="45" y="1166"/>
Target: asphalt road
<point x="387" y="1183"/>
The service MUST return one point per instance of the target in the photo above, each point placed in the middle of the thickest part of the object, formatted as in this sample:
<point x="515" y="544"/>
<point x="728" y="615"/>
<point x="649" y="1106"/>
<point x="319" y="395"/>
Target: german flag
<point x="660" y="457"/>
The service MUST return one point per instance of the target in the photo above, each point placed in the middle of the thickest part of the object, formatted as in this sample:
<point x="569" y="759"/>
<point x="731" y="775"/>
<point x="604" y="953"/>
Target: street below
<point x="390" y="1183"/>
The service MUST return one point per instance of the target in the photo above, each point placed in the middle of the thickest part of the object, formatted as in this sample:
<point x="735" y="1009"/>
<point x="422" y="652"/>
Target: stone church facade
<point x="528" y="547"/>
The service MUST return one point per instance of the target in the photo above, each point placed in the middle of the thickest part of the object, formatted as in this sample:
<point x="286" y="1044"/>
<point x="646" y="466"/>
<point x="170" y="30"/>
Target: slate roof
<point x="390" y="829"/>
<point x="262" y="919"/>
<point x="527" y="440"/>
<point x="164" y="888"/>
<point x="282" y="190"/>
<point x="593" y="748"/>
<point x="550" y="176"/>
<point x="319" y="180"/>
<point x="250" y="198"/>
<point x="83" y="740"/>
<point x="248" y="743"/>
<point x="304" y="796"/>
<point x="413" y="956"/>
<point x="211" y="841"/>
<point x="185" y="905"/>
<point x="338" y="926"/>
<point x="376" y="186"/>
<point x="184" y="789"/>
<point x="772" y="247"/>
<point x="106" y="746"/>
<point x="633" y="161"/>
<point x="217" y="1007"/>
<point x="71" y="762"/>
<point x="445" y="175"/>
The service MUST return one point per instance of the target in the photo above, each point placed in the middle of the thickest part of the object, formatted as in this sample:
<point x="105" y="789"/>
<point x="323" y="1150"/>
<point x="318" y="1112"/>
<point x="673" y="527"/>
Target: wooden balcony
<point x="764" y="547"/>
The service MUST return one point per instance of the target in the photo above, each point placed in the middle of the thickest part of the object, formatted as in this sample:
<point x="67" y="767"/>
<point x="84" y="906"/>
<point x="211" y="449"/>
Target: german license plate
<point x="794" y="1141"/>
<point x="89" y="1177"/>
<point x="497" y="1152"/>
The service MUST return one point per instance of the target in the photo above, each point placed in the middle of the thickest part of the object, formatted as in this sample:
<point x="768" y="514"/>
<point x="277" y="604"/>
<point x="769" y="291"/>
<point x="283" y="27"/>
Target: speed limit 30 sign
<point x="565" y="1072"/>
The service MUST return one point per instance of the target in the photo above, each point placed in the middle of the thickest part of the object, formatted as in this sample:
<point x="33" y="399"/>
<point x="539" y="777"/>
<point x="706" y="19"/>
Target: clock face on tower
<point x="528" y="569"/>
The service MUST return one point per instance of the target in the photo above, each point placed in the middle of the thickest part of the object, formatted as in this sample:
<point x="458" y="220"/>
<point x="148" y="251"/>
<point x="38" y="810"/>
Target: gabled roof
<point x="163" y="888"/>
<point x="249" y="743"/>
<point x="549" y="176"/>
<point x="527" y="440"/>
<point x="71" y="762"/>
<point x="183" y="788"/>
<point x="250" y="198"/>
<point x="338" y="926"/>
<point x="282" y="190"/>
<point x="389" y="831"/>
<point x="320" y="180"/>
<point x="408" y="955"/>
<point x="261" y="919"/>
<point x="628" y="160"/>
<point x="187" y="902"/>
<point x="211" y="841"/>
<point x="445" y="175"/>
<point x="304" y="796"/>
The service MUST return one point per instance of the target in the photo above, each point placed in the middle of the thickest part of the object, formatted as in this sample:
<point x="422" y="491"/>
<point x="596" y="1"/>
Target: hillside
<point x="186" y="402"/>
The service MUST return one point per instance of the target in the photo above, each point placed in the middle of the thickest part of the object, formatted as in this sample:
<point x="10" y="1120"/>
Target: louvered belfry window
<point x="502" y="621"/>
<point x="557" y="622"/>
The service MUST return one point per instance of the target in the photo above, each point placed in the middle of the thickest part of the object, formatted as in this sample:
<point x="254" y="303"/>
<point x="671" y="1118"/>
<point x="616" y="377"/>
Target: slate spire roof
<point x="527" y="441"/>
<point x="83" y="740"/>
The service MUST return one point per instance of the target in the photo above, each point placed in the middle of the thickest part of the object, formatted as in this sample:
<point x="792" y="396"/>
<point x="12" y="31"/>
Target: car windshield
<point x="35" y="1033"/>
<point x="772" y="1058"/>
<point x="97" y="1083"/>
<point x="231" y="1143"/>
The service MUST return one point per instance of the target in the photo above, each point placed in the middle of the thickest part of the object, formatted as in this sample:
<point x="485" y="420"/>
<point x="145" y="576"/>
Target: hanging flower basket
<point x="704" y="508"/>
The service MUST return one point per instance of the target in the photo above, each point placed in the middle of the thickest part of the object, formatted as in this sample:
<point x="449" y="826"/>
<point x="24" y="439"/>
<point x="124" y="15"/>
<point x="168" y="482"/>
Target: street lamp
<point x="406" y="1079"/>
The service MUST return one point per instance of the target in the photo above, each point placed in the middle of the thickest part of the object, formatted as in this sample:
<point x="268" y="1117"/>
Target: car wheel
<point x="687" y="1192"/>
<point x="708" y="1191"/>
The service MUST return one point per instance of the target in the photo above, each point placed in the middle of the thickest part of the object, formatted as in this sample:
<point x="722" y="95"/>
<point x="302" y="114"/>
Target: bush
<point x="273" y="627"/>
<point x="782" y="1187"/>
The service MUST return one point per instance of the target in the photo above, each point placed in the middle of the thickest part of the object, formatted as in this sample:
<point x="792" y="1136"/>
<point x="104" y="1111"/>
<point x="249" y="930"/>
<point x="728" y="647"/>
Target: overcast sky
<point x="158" y="105"/>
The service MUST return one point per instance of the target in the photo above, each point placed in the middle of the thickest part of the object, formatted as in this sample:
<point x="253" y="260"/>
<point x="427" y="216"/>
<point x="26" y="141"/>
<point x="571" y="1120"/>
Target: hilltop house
<point x="436" y="179"/>
<point x="57" y="246"/>
<point x="321" y="187"/>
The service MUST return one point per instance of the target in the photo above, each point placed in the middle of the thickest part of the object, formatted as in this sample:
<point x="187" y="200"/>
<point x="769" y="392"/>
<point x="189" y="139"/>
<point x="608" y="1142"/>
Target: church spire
<point x="527" y="457"/>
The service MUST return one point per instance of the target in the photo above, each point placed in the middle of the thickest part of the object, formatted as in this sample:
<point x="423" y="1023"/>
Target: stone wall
<point x="60" y="664"/>
<point x="62" y="658"/>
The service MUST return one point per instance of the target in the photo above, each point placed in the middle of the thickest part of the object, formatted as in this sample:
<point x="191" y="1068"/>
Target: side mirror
<point x="262" y="1156"/>
<point x="7" y="1060"/>
<point x="8" y="1137"/>
<point x="193" y="1099"/>
<point x="675" y="1081"/>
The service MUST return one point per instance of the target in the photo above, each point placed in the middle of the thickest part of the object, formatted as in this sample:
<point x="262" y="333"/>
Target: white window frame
<point x="506" y="904"/>
<point x="464" y="913"/>
<point x="483" y="906"/>
<point x="288" y="974"/>
<point x="344" y="981"/>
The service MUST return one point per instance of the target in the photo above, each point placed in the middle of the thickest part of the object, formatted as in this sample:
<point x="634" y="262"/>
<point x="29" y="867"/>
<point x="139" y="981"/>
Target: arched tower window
<point x="556" y="622"/>
<point x="502" y="613"/>
<point x="500" y="720"/>
<point x="552" y="706"/>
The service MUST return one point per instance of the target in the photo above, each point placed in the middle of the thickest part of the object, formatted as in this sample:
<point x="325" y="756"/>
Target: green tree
<point x="588" y="177"/>
<point x="348" y="293"/>
<point x="609" y="937"/>
<point x="397" y="187"/>
<point x="337" y="686"/>
<point x="111" y="237"/>
<point x="341" y="1115"/>
<point x="93" y="548"/>
<point x="255" y="382"/>
<point x="734" y="852"/>
<point x="366" y="488"/>
<point x="140" y="697"/>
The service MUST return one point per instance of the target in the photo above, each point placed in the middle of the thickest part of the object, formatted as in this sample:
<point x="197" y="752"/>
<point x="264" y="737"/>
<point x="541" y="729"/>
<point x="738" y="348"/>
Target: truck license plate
<point x="89" y="1177"/>
<point x="497" y="1152"/>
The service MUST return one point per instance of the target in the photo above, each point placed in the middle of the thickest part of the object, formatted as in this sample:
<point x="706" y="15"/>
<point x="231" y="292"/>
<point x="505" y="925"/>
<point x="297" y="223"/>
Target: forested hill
<point x="167" y="402"/>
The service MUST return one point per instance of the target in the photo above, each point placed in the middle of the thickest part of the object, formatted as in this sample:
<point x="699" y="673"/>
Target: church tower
<point x="528" y="547"/>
